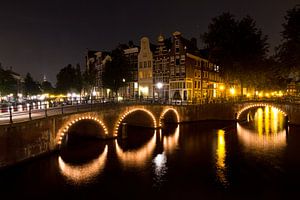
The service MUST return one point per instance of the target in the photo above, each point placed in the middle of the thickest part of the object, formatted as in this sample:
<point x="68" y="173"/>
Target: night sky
<point x="42" y="36"/>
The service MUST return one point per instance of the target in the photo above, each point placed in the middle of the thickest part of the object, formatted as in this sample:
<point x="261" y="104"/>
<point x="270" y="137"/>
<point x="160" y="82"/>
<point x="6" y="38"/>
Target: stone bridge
<point x="19" y="141"/>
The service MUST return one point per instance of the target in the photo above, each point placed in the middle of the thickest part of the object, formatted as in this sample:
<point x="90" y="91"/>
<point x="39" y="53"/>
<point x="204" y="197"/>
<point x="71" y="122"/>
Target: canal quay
<point x="245" y="150"/>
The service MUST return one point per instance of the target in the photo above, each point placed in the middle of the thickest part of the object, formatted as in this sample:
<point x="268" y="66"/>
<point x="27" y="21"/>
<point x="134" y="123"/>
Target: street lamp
<point x="159" y="85"/>
<point x="232" y="91"/>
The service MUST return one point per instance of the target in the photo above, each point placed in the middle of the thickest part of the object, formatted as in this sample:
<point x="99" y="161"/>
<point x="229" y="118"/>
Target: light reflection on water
<point x="137" y="157"/>
<point x="263" y="136"/>
<point x="84" y="172"/>
<point x="220" y="158"/>
<point x="177" y="163"/>
<point x="268" y="131"/>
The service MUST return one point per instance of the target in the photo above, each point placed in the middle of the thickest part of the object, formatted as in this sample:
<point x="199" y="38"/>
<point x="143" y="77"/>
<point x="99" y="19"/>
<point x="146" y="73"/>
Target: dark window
<point x="177" y="61"/>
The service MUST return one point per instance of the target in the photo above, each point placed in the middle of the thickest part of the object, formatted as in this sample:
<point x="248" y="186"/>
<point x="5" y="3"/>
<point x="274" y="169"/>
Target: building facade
<point x="95" y="64"/>
<point x="132" y="83"/>
<point x="192" y="78"/>
<point x="161" y="70"/>
<point x="145" y="69"/>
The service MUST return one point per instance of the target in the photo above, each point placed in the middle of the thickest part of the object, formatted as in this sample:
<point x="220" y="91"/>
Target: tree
<point x="288" y="52"/>
<point x="47" y="87"/>
<point x="31" y="87"/>
<point x="89" y="79"/>
<point x="116" y="70"/>
<point x="238" y="46"/>
<point x="69" y="79"/>
<point x="8" y="84"/>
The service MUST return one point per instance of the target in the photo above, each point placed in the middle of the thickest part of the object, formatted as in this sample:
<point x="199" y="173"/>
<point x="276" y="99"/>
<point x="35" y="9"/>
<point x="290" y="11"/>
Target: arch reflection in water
<point x="170" y="142"/>
<point x="250" y="138"/>
<point x="268" y="130"/>
<point x="85" y="172"/>
<point x="136" y="157"/>
<point x="220" y="158"/>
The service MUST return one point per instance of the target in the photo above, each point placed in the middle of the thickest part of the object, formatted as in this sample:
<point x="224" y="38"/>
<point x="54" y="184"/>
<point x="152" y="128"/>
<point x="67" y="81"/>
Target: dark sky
<point x="42" y="36"/>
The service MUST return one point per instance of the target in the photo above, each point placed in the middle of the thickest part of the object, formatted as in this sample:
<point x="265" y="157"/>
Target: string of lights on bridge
<point x="258" y="105"/>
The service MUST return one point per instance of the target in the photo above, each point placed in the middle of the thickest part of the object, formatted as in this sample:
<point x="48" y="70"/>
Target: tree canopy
<point x="47" y="87"/>
<point x="288" y="52"/>
<point x="116" y="70"/>
<point x="238" y="46"/>
<point x="31" y="87"/>
<point x="69" y="79"/>
<point x="7" y="83"/>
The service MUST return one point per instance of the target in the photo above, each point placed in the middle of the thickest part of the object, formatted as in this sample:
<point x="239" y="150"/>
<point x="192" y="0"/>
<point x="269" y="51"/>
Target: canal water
<point x="256" y="159"/>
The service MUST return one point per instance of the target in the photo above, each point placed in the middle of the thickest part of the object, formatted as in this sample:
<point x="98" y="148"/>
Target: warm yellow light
<point x="165" y="111"/>
<point x="222" y="87"/>
<point x="131" y="111"/>
<point x="220" y="156"/>
<point x="232" y="91"/>
<point x="83" y="173"/>
<point x="65" y="129"/>
<point x="136" y="157"/>
<point x="144" y="90"/>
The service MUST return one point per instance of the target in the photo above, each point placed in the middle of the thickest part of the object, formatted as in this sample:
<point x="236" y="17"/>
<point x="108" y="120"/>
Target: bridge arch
<point x="165" y="111"/>
<point x="256" y="105"/>
<point x="125" y="114"/>
<point x="64" y="130"/>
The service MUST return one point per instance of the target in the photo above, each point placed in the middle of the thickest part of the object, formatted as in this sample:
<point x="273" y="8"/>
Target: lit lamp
<point x="159" y="85"/>
<point x="93" y="95"/>
<point x="232" y="91"/>
<point x="124" y="90"/>
<point x="222" y="87"/>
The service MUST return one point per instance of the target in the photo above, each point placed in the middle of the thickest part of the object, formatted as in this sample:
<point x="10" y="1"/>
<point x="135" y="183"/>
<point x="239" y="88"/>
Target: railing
<point x="11" y="114"/>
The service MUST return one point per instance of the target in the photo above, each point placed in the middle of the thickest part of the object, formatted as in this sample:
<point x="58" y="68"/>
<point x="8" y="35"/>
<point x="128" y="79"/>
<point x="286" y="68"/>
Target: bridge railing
<point x="11" y="114"/>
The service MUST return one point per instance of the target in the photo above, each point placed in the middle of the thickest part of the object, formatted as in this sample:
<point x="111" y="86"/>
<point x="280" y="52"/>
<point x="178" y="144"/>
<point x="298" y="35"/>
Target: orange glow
<point x="165" y="111"/>
<point x="259" y="105"/>
<point x="220" y="158"/>
<point x="136" y="157"/>
<point x="65" y="128"/>
<point x="262" y="141"/>
<point x="171" y="142"/>
<point x="83" y="173"/>
<point x="131" y="111"/>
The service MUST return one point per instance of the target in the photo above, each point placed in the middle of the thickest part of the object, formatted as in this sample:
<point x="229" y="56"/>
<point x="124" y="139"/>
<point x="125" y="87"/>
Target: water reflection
<point x="139" y="156"/>
<point x="268" y="131"/>
<point x="170" y="142"/>
<point x="220" y="158"/>
<point x="160" y="168"/>
<point x="84" y="172"/>
<point x="261" y="141"/>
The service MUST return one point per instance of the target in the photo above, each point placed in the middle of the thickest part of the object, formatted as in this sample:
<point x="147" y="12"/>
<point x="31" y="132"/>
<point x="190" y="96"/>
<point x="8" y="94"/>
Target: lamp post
<point x="159" y="86"/>
<point x="125" y="88"/>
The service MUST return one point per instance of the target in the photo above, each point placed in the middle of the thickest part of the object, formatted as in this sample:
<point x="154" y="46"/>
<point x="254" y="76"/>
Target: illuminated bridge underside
<point x="111" y="120"/>
<point x="242" y="112"/>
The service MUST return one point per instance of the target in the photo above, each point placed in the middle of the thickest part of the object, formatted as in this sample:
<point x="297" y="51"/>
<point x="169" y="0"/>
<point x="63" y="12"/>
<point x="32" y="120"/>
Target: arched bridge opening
<point x="243" y="113"/>
<point x="169" y="116"/>
<point x="135" y="117"/>
<point x="169" y="120"/>
<point x="81" y="128"/>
